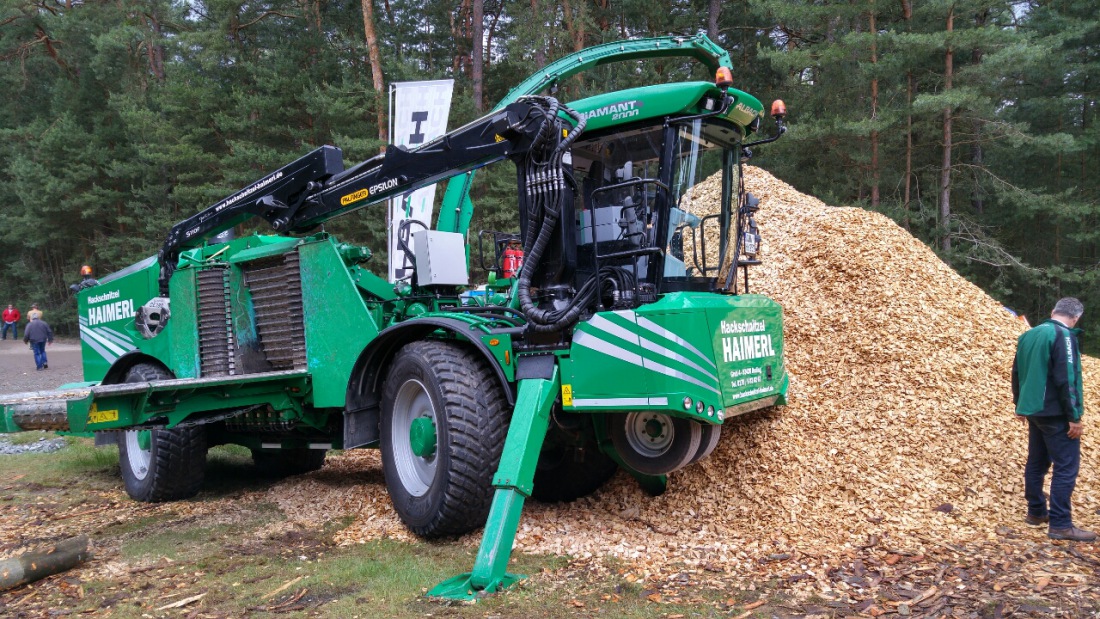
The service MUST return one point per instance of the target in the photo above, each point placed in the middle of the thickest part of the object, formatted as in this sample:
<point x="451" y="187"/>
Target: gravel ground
<point x="42" y="445"/>
<point x="17" y="374"/>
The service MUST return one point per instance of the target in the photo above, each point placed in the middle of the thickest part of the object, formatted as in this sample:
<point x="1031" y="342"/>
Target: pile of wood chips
<point x="899" y="427"/>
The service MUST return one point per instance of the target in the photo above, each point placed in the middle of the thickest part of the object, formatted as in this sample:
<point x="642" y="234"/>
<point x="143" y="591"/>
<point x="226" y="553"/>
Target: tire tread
<point x="478" y="425"/>
<point x="179" y="454"/>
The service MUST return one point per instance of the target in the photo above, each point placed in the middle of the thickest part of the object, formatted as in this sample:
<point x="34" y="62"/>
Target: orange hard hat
<point x="85" y="270"/>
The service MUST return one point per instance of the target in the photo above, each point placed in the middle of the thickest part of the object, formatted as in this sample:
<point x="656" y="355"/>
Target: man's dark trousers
<point x="1049" y="443"/>
<point x="39" y="349"/>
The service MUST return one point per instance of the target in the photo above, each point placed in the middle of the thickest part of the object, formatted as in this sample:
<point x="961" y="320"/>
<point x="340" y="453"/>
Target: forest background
<point x="972" y="123"/>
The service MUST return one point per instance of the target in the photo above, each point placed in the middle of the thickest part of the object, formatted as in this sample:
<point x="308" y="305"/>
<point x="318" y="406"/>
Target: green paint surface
<point x="338" y="323"/>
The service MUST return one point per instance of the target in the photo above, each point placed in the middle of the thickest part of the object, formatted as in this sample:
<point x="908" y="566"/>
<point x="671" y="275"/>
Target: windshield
<point x="704" y="177"/>
<point x="653" y="204"/>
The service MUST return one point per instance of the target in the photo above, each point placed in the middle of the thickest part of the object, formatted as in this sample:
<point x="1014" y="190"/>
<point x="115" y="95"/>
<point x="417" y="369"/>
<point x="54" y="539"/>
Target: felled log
<point x="32" y="566"/>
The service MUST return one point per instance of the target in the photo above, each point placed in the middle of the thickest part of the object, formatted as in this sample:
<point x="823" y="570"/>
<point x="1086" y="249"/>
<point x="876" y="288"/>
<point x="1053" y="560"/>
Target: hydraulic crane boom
<point x="316" y="188"/>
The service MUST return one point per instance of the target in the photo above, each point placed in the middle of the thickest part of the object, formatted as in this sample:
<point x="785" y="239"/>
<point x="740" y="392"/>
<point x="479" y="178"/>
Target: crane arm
<point x="316" y="187"/>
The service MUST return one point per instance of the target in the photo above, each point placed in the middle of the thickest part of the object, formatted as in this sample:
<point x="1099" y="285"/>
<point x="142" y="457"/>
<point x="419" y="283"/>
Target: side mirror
<point x="752" y="203"/>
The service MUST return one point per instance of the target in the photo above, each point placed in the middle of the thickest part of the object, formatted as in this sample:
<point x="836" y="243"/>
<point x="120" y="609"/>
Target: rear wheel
<point x="566" y="473"/>
<point x="654" y="443"/>
<point x="284" y="462"/>
<point x="161" y="464"/>
<point x="444" y="421"/>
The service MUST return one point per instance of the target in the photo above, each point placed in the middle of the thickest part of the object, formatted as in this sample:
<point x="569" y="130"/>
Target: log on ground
<point x="36" y="565"/>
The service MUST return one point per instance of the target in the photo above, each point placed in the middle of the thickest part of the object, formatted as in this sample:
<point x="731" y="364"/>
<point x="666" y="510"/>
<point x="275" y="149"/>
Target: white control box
<point x="440" y="258"/>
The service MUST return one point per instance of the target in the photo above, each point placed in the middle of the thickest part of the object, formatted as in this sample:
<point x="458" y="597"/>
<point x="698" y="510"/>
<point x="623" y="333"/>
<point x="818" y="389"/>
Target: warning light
<point x="779" y="109"/>
<point x="723" y="77"/>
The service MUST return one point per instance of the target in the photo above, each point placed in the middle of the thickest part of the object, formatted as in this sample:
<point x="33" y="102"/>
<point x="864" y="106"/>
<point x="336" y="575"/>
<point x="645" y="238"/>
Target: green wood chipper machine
<point x="625" y="340"/>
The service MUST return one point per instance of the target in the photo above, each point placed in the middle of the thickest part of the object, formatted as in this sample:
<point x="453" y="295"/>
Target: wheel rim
<point x="139" y="459"/>
<point x="412" y="404"/>
<point x="649" y="434"/>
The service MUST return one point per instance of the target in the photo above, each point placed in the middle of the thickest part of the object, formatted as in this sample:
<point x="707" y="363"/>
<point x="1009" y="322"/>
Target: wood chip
<point x="183" y="602"/>
<point x="284" y="587"/>
<point x="900" y="403"/>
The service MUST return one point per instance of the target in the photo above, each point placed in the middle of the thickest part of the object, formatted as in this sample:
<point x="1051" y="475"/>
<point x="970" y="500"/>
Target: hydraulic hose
<point x="545" y="179"/>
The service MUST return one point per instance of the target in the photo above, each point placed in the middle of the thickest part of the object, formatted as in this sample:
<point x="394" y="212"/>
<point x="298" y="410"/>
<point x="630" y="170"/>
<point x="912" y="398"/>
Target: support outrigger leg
<point x="513" y="483"/>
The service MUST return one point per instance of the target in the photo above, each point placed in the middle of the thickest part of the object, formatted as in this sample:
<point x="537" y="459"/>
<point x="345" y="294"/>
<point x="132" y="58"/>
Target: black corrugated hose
<point x="545" y="177"/>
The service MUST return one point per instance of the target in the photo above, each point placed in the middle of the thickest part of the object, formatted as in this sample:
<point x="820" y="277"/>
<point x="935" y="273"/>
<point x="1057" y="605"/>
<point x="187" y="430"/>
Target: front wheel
<point x="444" y="421"/>
<point x="161" y="464"/>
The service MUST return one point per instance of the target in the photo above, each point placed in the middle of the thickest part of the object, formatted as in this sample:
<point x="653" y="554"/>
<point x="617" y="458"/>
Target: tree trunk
<point x="945" y="169"/>
<point x="477" y="60"/>
<point x="713" y="8"/>
<point x="376" y="68"/>
<point x="874" y="109"/>
<point x="540" y="43"/>
<point x="488" y="53"/>
<point x="908" y="145"/>
<point x="574" y="24"/>
<point x="155" y="51"/>
<point x="460" y="32"/>
<point x="907" y="12"/>
<point x="977" y="155"/>
<point x="977" y="159"/>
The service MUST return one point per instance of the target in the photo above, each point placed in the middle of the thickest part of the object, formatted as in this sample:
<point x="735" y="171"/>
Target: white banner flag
<point x="419" y="116"/>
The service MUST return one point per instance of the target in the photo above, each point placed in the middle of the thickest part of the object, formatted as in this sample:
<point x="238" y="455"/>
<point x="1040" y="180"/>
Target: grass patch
<point x="248" y="560"/>
<point x="79" y="463"/>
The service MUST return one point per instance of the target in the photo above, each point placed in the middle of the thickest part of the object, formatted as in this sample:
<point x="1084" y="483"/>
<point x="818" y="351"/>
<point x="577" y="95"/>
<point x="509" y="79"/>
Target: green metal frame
<point x="457" y="209"/>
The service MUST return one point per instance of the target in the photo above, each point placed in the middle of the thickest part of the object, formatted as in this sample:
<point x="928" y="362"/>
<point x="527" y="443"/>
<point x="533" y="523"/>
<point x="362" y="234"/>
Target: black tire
<point x="654" y="443"/>
<point x="566" y="473"/>
<point x="173" y="465"/>
<point x="285" y="462"/>
<point x="707" y="441"/>
<point x="449" y="491"/>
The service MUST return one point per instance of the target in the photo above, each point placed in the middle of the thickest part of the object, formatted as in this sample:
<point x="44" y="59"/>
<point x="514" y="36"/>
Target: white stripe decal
<point x="109" y="335"/>
<point x="121" y="349"/>
<point x="120" y="336"/>
<point x="118" y="352"/>
<point x="587" y="340"/>
<point x="96" y="347"/>
<point x="621" y="402"/>
<point x="603" y="324"/>
<point x="648" y="324"/>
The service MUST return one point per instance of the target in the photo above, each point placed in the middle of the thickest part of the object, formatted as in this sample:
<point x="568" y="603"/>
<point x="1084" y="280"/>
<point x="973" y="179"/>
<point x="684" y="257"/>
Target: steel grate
<point x="216" y="342"/>
<point x="276" y="288"/>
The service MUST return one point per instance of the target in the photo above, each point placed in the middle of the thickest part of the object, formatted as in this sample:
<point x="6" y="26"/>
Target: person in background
<point x="37" y="335"/>
<point x="11" y="318"/>
<point x="1046" y="389"/>
<point x="34" y="313"/>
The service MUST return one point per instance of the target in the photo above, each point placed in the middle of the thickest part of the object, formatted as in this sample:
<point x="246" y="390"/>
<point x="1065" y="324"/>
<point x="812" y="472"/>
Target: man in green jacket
<point x="1046" y="388"/>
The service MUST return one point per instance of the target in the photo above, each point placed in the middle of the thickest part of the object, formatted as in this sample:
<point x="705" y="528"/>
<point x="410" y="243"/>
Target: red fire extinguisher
<point x="513" y="259"/>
